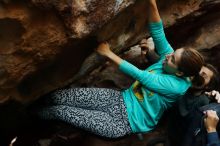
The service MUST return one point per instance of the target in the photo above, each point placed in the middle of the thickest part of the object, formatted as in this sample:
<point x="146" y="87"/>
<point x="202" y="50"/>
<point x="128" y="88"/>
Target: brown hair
<point x="213" y="83"/>
<point x="190" y="62"/>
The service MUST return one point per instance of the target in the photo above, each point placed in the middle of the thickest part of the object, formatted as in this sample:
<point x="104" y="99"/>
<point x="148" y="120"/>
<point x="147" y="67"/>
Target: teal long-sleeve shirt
<point x="153" y="91"/>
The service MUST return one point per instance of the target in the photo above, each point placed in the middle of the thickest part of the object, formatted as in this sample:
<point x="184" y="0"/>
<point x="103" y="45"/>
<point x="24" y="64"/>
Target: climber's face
<point x="170" y="64"/>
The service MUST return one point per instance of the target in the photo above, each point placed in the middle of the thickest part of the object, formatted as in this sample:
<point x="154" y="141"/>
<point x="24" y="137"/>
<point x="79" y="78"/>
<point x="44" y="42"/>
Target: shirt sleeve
<point x="213" y="139"/>
<point x="160" y="83"/>
<point x="161" y="44"/>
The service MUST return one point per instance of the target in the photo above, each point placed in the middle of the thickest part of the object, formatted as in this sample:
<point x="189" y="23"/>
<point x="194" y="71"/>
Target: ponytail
<point x="198" y="82"/>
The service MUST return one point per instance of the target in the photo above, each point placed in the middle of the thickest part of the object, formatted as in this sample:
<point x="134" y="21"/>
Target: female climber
<point x="111" y="113"/>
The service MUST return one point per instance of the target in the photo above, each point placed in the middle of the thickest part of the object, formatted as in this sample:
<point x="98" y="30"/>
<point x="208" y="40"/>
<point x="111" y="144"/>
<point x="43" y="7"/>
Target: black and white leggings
<point x="98" y="110"/>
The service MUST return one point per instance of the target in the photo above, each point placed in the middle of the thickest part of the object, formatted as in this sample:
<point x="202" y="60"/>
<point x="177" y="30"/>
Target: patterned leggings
<point x="97" y="110"/>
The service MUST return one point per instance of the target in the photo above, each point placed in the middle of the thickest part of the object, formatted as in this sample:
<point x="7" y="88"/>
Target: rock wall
<point x="48" y="44"/>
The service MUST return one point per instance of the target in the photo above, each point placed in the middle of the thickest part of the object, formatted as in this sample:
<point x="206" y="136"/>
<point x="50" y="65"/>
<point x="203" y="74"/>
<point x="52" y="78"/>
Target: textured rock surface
<point x="84" y="17"/>
<point x="28" y="42"/>
<point x="44" y="43"/>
